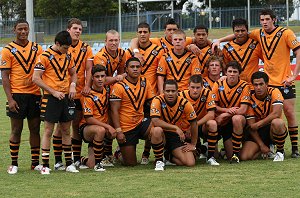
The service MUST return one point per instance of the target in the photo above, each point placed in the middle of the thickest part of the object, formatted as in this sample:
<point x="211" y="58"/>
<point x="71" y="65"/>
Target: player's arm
<point x="254" y="134"/>
<point x="275" y="113"/>
<point x="160" y="84"/>
<point x="90" y="120"/>
<point x="209" y="116"/>
<point x="157" y="122"/>
<point x="242" y="109"/>
<point x="12" y="104"/>
<point x="296" y="71"/>
<point x="194" y="137"/>
<point x="72" y="88"/>
<point x="88" y="77"/>
<point x="216" y="44"/>
<point x="115" y="107"/>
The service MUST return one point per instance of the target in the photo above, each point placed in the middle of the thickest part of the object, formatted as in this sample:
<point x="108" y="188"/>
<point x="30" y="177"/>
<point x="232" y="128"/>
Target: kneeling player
<point x="264" y="120"/>
<point x="127" y="100"/>
<point x="204" y="106"/>
<point x="94" y="127"/>
<point x="169" y="113"/>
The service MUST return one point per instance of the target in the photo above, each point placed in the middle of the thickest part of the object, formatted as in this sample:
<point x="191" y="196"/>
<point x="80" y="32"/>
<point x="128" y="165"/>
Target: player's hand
<point x="253" y="127"/>
<point x="233" y="110"/>
<point x="72" y="92"/>
<point x="86" y="90"/>
<point x="188" y="147"/>
<point x="187" y="135"/>
<point x="264" y="150"/>
<point x="59" y="95"/>
<point x="112" y="132"/>
<point x="289" y="81"/>
<point x="180" y="134"/>
<point x="222" y="78"/>
<point x="140" y="57"/>
<point x="121" y="138"/>
<point x="119" y="78"/>
<point x="215" y="46"/>
<point x="13" y="106"/>
<point x="194" y="49"/>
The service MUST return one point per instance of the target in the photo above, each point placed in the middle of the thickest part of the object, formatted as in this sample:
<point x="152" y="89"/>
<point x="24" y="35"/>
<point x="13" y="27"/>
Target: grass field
<point x="259" y="178"/>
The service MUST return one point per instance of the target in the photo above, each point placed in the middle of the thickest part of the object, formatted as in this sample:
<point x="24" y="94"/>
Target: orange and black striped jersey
<point x="203" y="57"/>
<point x="167" y="45"/>
<point x="247" y="55"/>
<point x="226" y="96"/>
<point x="152" y="55"/>
<point x="111" y="63"/>
<point x="276" y="46"/>
<point x="208" y="83"/>
<point x="179" y="68"/>
<point x="20" y="61"/>
<point x="260" y="109"/>
<point x="180" y="114"/>
<point x="55" y="67"/>
<point x="95" y="105"/>
<point x="204" y="103"/>
<point x="132" y="97"/>
<point x="81" y="53"/>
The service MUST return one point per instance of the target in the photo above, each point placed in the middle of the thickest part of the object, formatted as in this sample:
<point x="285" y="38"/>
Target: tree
<point x="52" y="8"/>
<point x="12" y="9"/>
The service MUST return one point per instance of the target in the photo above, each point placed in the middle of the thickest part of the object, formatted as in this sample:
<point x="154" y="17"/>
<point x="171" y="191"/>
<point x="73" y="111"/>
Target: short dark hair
<point x="267" y="11"/>
<point x="200" y="27"/>
<point x="63" y="38"/>
<point x="258" y="75"/>
<point x="73" y="21"/>
<point x="143" y="25"/>
<point x="235" y="65"/>
<point x="171" y="21"/>
<point x="20" y="21"/>
<point x="170" y="82"/>
<point x="131" y="60"/>
<point x="239" y="22"/>
<point x="196" y="78"/>
<point x="98" y="68"/>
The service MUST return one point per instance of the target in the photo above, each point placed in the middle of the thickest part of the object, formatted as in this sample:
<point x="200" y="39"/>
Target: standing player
<point x="112" y="57"/>
<point x="204" y="106"/>
<point x="169" y="113"/>
<point x="264" y="120"/>
<point x="53" y="72"/>
<point x="276" y="43"/>
<point x="243" y="49"/>
<point x="23" y="96"/>
<point x="94" y="126"/>
<point x="232" y="97"/>
<point x="127" y="100"/>
<point x="214" y="69"/>
<point x="83" y="57"/>
<point x="177" y="64"/>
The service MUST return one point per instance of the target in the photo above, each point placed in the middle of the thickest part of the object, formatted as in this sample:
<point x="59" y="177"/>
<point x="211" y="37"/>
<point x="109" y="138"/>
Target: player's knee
<point x="156" y="133"/>
<point x="277" y="123"/>
<point x="99" y="133"/>
<point x="189" y="162"/>
<point x="238" y="119"/>
<point x="211" y="125"/>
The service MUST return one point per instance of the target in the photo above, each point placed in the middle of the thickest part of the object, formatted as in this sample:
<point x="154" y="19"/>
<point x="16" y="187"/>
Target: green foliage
<point x="10" y="9"/>
<point x="52" y="8"/>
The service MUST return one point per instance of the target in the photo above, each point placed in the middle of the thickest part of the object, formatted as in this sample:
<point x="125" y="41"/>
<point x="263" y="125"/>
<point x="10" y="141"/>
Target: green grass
<point x="259" y="178"/>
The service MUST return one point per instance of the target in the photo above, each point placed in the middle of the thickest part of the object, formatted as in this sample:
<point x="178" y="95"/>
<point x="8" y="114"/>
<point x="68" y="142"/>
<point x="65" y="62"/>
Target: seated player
<point x="264" y="120"/>
<point x="127" y="101"/>
<point x="232" y="97"/>
<point x="204" y="106"/>
<point x="93" y="126"/>
<point x="169" y="113"/>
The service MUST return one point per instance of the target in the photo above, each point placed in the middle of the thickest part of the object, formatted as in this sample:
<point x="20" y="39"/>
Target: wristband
<point x="119" y="130"/>
<point x="135" y="50"/>
<point x="73" y="83"/>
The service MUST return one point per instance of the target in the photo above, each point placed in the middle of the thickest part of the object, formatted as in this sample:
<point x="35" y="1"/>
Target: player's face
<point x="201" y="37"/>
<point x="195" y="89"/>
<point x="267" y="22"/>
<point x="232" y="75"/>
<point x="260" y="87"/>
<point x="98" y="79"/>
<point x="134" y="69"/>
<point x="240" y="33"/>
<point x="63" y="48"/>
<point x="178" y="41"/>
<point x="170" y="30"/>
<point x="75" y="31"/>
<point x="214" y="68"/>
<point x="171" y="93"/>
<point x="143" y="35"/>
<point x="22" y="31"/>
<point x="112" y="41"/>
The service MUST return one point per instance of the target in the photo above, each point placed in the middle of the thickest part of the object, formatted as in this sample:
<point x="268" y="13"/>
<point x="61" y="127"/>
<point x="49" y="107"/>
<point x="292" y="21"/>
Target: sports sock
<point x="293" y="132"/>
<point x="45" y="157"/>
<point x="158" y="150"/>
<point x="76" y="147"/>
<point x="107" y="147"/>
<point x="279" y="140"/>
<point x="14" y="152"/>
<point x="68" y="154"/>
<point x="98" y="150"/>
<point x="212" y="138"/>
<point x="35" y="155"/>
<point x="236" y="143"/>
<point x="57" y="148"/>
